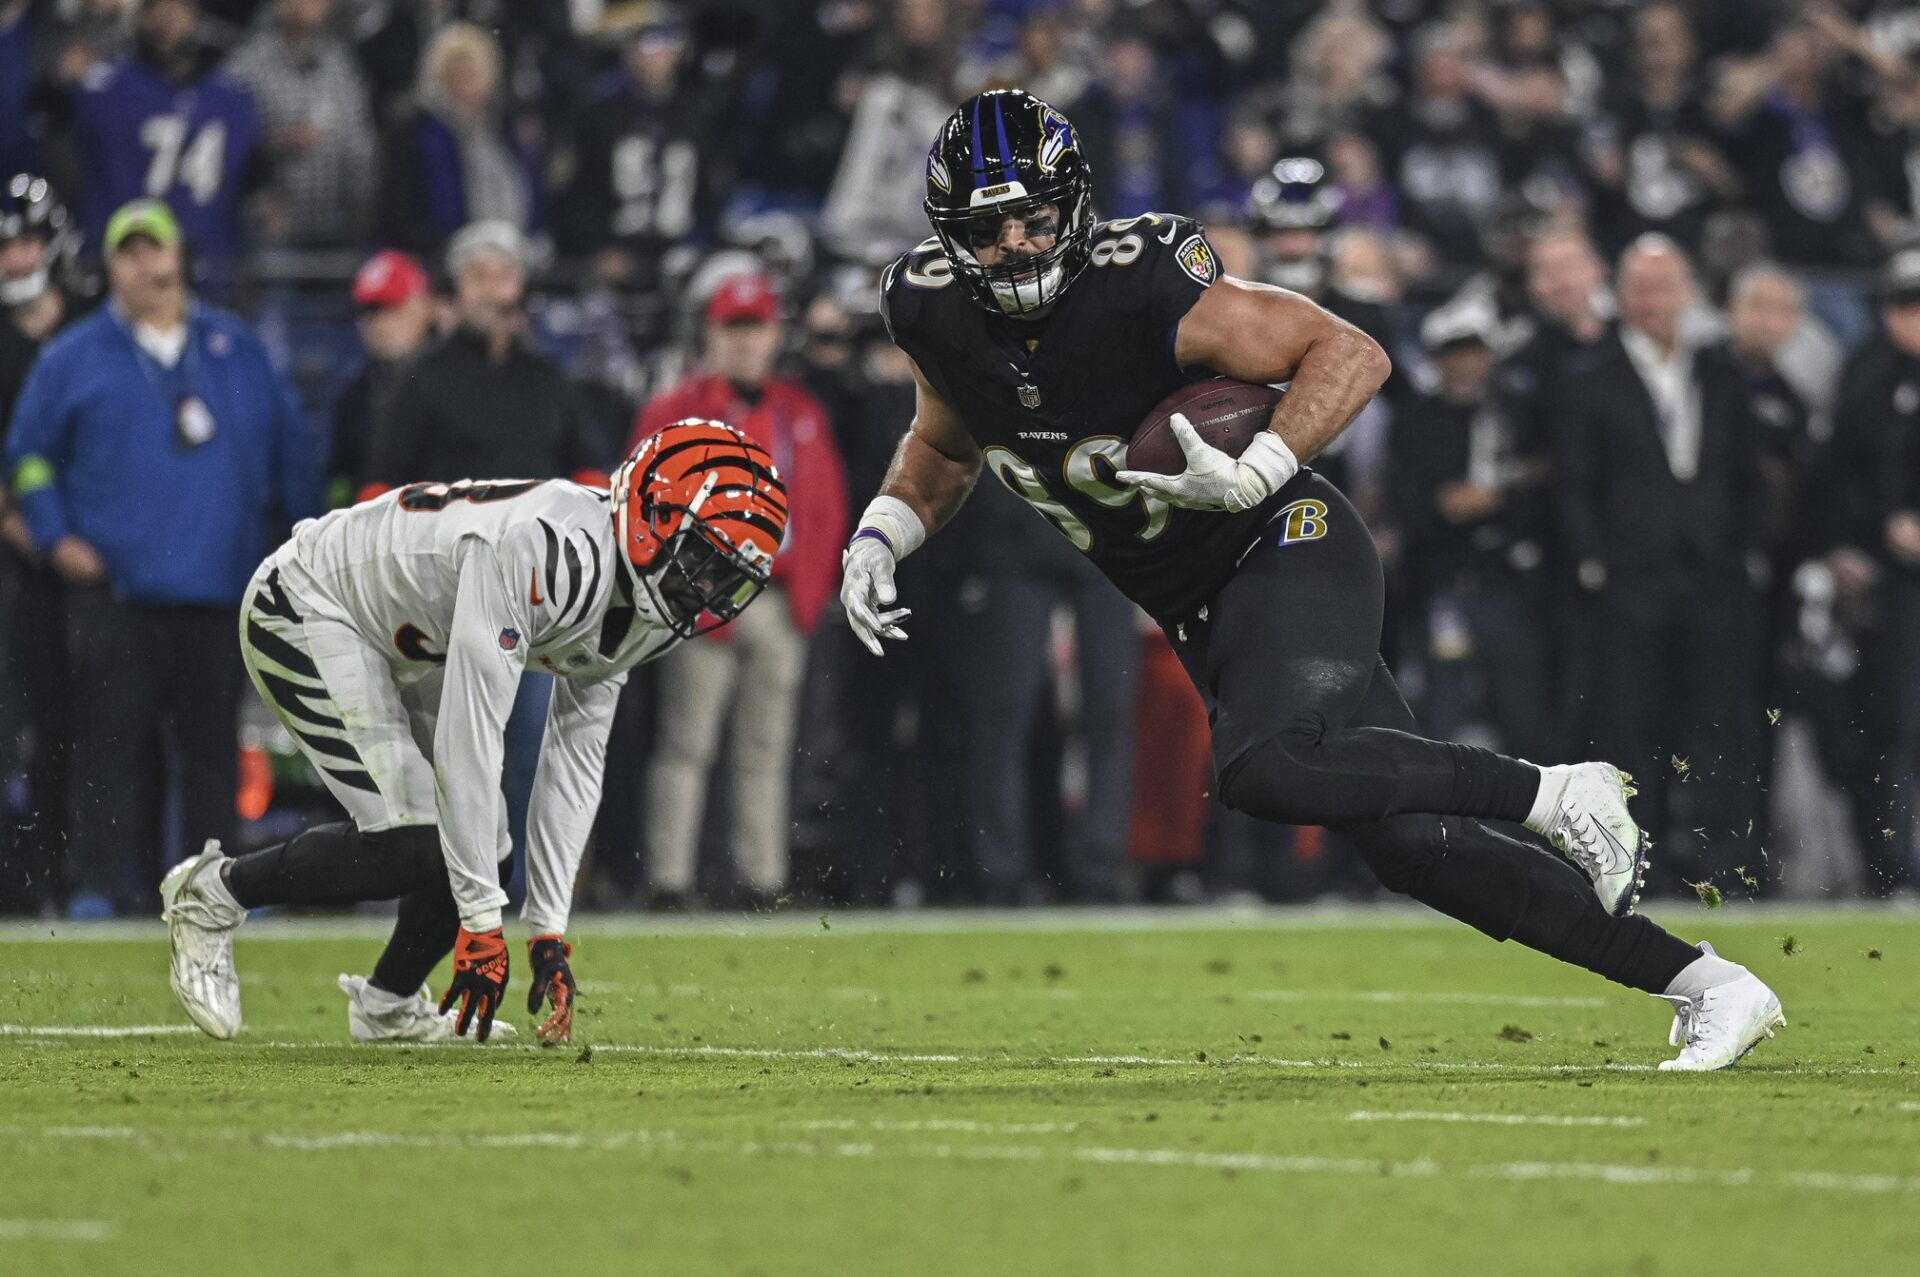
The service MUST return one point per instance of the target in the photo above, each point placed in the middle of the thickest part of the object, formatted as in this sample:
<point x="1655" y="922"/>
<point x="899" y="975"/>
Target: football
<point x="1224" y="412"/>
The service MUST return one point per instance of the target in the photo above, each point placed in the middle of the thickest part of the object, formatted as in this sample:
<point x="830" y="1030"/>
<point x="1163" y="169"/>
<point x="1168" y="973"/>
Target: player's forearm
<point x="933" y="484"/>
<point x="1337" y="377"/>
<point x="566" y="795"/>
<point x="484" y="662"/>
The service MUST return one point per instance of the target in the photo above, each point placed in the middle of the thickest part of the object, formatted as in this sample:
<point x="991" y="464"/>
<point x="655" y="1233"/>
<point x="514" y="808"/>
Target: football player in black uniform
<point x="1041" y="338"/>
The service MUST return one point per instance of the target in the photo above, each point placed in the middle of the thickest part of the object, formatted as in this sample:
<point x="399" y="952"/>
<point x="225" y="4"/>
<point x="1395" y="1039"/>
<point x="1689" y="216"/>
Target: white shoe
<point x="417" y="1019"/>
<point x="1722" y="1023"/>
<point x="1589" y="823"/>
<point x="200" y="926"/>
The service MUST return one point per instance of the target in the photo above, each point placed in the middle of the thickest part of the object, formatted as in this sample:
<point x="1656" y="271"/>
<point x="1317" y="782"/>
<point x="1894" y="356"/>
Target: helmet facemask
<point x="1025" y="285"/>
<point x="697" y="582"/>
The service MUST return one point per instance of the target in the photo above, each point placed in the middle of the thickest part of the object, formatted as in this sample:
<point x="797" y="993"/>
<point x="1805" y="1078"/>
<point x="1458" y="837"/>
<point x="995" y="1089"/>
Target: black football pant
<point x="150" y="686"/>
<point x="334" y="865"/>
<point x="1309" y="728"/>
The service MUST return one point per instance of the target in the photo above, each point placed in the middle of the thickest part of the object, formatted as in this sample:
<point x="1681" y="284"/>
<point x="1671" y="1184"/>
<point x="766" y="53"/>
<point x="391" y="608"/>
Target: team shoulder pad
<point x="906" y="284"/>
<point x="568" y="561"/>
<point x="1181" y="241"/>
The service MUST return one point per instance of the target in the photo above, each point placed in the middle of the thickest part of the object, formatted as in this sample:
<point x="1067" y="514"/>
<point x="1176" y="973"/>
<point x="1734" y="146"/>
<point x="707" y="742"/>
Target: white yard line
<point x="1386" y="915"/>
<point x="1423" y="996"/>
<point x="93" y="1030"/>
<point x="864" y="1056"/>
<point x="57" y="1230"/>
<point x="1494" y="1119"/>
<point x="936" y="1124"/>
<point x="674" y="1143"/>
<point x="859" y="993"/>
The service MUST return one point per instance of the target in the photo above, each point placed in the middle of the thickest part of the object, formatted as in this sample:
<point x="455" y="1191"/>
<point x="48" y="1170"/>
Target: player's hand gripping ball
<point x="1207" y="447"/>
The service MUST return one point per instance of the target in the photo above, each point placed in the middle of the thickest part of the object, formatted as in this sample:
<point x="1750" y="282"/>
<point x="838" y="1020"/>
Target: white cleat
<point x="200" y="927"/>
<point x="1590" y="825"/>
<point x="417" y="1019"/>
<point x="1727" y="1020"/>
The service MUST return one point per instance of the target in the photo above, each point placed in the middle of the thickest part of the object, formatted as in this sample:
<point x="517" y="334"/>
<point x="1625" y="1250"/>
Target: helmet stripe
<point x="753" y="468"/>
<point x="749" y="518"/>
<point x="1006" y="152"/>
<point x="753" y="494"/>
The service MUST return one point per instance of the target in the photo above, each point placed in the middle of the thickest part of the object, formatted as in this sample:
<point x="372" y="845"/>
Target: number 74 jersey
<point x="1052" y="403"/>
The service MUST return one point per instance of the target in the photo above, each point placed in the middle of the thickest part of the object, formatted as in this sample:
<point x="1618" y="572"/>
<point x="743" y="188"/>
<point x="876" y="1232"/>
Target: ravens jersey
<point x="1051" y="403"/>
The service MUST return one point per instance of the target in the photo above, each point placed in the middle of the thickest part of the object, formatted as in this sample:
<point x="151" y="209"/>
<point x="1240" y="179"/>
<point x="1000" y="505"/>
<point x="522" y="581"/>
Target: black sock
<point x="338" y="865"/>
<point x="1514" y="890"/>
<point x="1548" y="905"/>
<point x="1491" y="786"/>
<point x="422" y="935"/>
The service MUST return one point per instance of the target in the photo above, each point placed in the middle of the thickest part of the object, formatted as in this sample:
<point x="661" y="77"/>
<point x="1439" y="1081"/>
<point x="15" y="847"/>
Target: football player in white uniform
<point x="390" y="638"/>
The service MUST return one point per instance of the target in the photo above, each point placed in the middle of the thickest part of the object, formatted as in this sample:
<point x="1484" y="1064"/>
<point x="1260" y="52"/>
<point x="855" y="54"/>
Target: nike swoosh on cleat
<point x="1619" y="849"/>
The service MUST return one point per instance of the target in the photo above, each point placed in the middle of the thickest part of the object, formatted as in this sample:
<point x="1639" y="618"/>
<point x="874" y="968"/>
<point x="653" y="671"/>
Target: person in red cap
<point x="752" y="678"/>
<point x="397" y="313"/>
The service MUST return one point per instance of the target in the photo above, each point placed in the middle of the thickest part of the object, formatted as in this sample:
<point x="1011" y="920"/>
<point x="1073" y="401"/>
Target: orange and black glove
<point x="552" y="979"/>
<point x="479" y="980"/>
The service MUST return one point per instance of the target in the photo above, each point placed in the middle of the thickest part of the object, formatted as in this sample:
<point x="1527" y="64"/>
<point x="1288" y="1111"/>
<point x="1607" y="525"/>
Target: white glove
<point x="867" y="592"/>
<point x="1215" y="481"/>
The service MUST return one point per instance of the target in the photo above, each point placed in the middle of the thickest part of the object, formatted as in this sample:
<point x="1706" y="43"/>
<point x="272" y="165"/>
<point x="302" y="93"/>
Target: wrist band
<point x="874" y="534"/>
<point x="895" y="523"/>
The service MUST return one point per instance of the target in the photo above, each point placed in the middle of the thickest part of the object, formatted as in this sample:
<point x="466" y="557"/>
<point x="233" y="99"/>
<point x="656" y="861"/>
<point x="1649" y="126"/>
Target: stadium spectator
<point x="152" y="450"/>
<point x="1126" y="124"/>
<point x="319" y="126"/>
<point x="873" y="210"/>
<point x="646" y="161"/>
<point x="32" y="40"/>
<point x="1650" y="150"/>
<point x="1659" y="452"/>
<point x="1338" y="75"/>
<point x="396" y="316"/>
<point x="451" y="161"/>
<point x="746" y="681"/>
<point x="37" y="244"/>
<point x="1801" y="140"/>
<point x="482" y="401"/>
<point x="1443" y="146"/>
<point x="1875" y="462"/>
<point x="1765" y="308"/>
<point x="169" y="123"/>
<point x="1566" y="282"/>
<point x="1466" y="495"/>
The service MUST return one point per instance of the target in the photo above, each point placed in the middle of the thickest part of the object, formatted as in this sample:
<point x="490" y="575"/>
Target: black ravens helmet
<point x="1293" y="197"/>
<point x="1005" y="153"/>
<point x="30" y="206"/>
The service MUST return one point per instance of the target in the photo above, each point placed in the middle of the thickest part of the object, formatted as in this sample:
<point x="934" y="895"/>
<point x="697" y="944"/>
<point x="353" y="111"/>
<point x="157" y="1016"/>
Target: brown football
<point x="1224" y="412"/>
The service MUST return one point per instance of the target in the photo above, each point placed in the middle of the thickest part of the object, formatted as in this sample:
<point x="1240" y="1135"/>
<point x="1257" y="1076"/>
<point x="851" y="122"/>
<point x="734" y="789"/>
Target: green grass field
<point x="1130" y="1093"/>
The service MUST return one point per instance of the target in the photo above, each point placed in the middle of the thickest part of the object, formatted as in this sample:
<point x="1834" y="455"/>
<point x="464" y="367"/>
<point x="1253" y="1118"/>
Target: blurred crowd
<point x="1646" y="477"/>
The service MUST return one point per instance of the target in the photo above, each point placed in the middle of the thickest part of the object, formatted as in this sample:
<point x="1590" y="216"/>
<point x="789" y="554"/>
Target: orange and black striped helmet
<point x="700" y="511"/>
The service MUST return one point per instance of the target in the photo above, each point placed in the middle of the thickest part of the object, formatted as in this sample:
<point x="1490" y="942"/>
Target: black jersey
<point x="1052" y="403"/>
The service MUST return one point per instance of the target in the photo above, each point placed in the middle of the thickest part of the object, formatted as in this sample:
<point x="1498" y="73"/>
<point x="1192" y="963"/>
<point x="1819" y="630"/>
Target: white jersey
<point x="462" y="587"/>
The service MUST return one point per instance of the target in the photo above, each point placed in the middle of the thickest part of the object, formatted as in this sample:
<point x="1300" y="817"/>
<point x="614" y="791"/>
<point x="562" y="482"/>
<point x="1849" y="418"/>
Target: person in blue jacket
<point x="153" y="452"/>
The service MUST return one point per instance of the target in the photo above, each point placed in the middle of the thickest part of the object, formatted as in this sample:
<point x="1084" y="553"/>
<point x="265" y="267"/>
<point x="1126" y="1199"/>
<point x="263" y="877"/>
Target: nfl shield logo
<point x="1029" y="395"/>
<point x="509" y="639"/>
